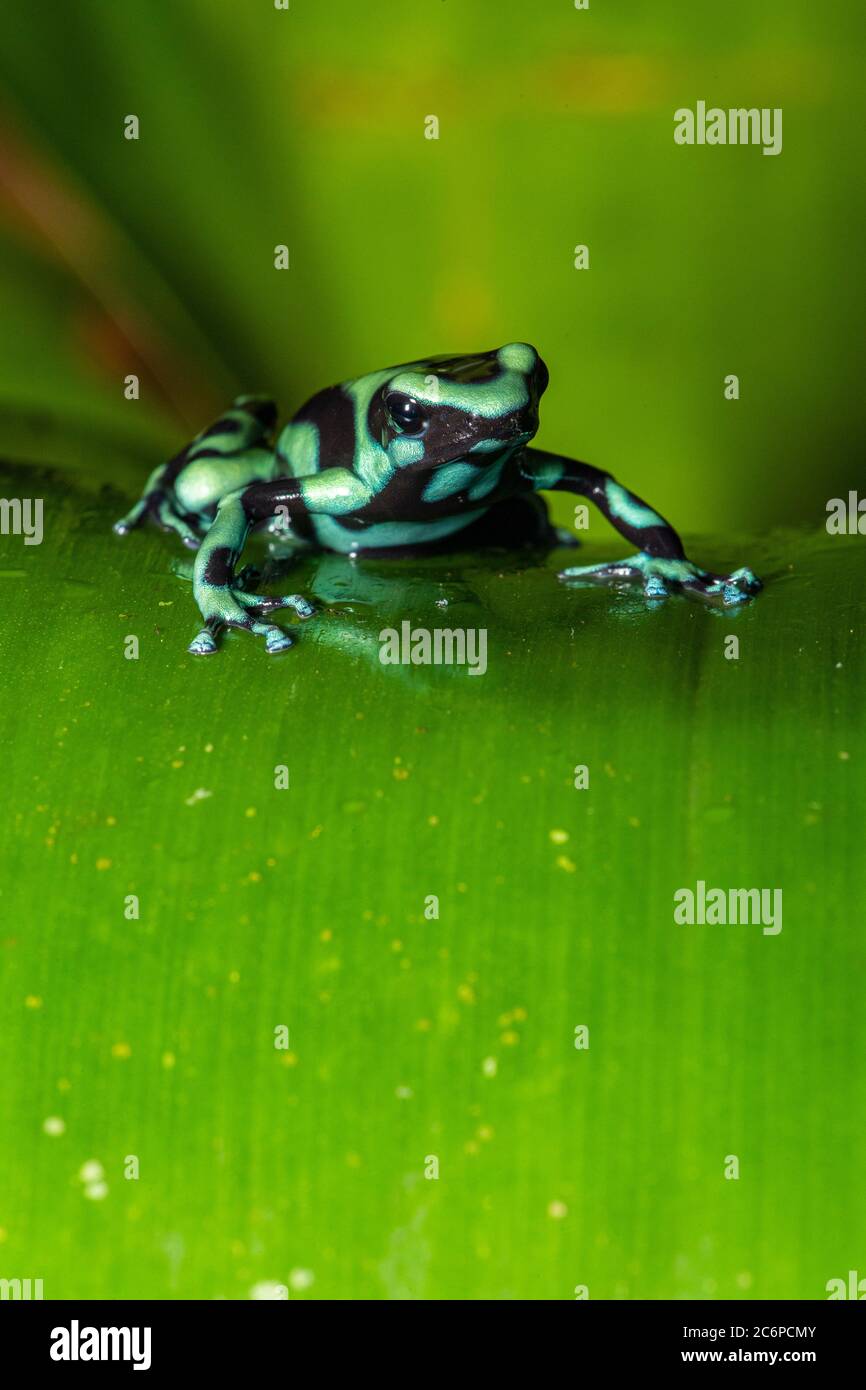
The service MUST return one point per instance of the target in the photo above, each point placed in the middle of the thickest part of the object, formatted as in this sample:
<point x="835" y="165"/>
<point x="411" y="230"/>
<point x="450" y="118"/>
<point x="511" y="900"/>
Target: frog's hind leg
<point x="183" y="494"/>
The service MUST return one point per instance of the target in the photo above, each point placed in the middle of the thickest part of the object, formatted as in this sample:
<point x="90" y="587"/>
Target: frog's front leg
<point x="180" y="495"/>
<point x="660" y="562"/>
<point x="219" y="592"/>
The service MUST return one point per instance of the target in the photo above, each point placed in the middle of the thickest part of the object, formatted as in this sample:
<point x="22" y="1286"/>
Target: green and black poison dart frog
<point x="430" y="453"/>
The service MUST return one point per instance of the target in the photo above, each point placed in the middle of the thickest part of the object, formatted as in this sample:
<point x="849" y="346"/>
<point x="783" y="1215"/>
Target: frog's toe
<point x="655" y="587"/>
<point x="167" y="515"/>
<point x="131" y="520"/>
<point x="203" y="644"/>
<point x="731" y="589"/>
<point x="160" y="507"/>
<point x="275" y="639"/>
<point x="745" y="581"/>
<point x="619" y="572"/>
<point x="302" y="606"/>
<point x="732" y="594"/>
<point x="266" y="603"/>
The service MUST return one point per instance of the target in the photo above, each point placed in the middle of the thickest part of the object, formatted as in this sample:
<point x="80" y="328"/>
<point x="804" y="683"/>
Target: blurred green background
<point x="409" y="1037"/>
<point x="306" y="128"/>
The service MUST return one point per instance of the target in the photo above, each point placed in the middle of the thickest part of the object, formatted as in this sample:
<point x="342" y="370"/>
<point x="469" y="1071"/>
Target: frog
<point x="429" y="455"/>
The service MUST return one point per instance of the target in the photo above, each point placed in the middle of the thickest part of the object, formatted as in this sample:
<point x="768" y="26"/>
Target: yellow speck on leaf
<point x="559" y="837"/>
<point x="122" y="1050"/>
<point x="563" y="862"/>
<point x="102" y="864"/>
<point x="33" y="1001"/>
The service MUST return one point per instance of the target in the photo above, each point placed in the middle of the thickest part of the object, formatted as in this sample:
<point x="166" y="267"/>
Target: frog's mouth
<point x="504" y="445"/>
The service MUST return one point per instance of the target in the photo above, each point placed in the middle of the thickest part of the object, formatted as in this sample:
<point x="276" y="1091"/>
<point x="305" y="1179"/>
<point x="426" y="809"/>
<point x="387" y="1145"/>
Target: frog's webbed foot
<point x="232" y="606"/>
<point x="159" y="505"/>
<point x="660" y="576"/>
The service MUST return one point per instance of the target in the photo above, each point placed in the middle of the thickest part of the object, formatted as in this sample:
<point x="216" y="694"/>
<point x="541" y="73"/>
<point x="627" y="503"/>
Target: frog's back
<point x="320" y="435"/>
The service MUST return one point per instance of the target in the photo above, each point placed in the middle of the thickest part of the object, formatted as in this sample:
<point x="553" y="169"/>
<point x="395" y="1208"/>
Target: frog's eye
<point x="405" y="413"/>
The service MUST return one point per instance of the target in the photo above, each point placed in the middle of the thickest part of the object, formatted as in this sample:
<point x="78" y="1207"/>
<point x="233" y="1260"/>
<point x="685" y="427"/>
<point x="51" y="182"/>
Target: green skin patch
<point x="401" y="458"/>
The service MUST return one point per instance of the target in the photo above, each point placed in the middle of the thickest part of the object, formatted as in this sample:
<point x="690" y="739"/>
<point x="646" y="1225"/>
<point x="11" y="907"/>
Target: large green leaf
<point x="413" y="1037"/>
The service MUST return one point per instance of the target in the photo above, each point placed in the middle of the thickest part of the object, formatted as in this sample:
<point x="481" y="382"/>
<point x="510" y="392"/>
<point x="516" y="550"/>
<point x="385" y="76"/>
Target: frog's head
<point x="446" y="408"/>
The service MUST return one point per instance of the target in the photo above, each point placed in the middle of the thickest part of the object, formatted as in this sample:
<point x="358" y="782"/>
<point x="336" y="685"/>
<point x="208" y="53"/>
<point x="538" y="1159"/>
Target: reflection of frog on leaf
<point x="365" y="601"/>
<point x="413" y="457"/>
